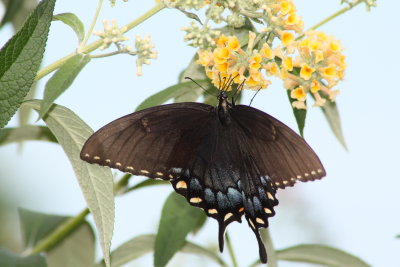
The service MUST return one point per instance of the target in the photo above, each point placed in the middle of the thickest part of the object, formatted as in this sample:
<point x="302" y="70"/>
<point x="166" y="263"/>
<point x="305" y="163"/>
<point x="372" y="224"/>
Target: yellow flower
<point x="287" y="38"/>
<point x="221" y="55"/>
<point x="238" y="77"/>
<point x="306" y="71"/>
<point x="319" y="101"/>
<point x="335" y="46"/>
<point x="272" y="68"/>
<point x="222" y="41"/>
<point x="233" y="43"/>
<point x="315" y="86"/>
<point x="299" y="105"/>
<point x="286" y="7"/>
<point x="222" y="52"/>
<point x="205" y="58"/>
<point x="298" y="93"/>
<point x="223" y="67"/>
<point x="287" y="63"/>
<point x="329" y="72"/>
<point x="319" y="56"/>
<point x="266" y="51"/>
<point x="304" y="42"/>
<point x="292" y="19"/>
<point x="229" y="60"/>
<point x="255" y="62"/>
<point x="313" y="45"/>
<point x="322" y="36"/>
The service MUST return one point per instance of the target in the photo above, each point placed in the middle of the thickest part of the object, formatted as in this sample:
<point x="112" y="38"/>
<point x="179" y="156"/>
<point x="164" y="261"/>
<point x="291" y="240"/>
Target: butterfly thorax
<point x="223" y="109"/>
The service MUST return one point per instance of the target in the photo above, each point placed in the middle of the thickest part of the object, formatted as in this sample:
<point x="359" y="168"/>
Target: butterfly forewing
<point x="143" y="143"/>
<point x="279" y="153"/>
<point x="229" y="165"/>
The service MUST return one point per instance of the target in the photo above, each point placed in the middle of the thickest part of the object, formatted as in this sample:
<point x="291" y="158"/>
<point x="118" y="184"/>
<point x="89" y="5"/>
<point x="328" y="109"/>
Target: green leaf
<point x="95" y="181"/>
<point x="16" y="12"/>
<point x="76" y="250"/>
<point x="36" y="226"/>
<point x="198" y="250"/>
<point x="141" y="245"/>
<point x="10" y="259"/>
<point x="178" y="218"/>
<point x="131" y="250"/>
<point x="299" y="114"/>
<point x="61" y="80"/>
<point x="331" y="113"/>
<point x="20" y="59"/>
<point x="74" y="22"/>
<point x="196" y="72"/>
<point x="200" y="223"/>
<point x="169" y="93"/>
<point x="25" y="133"/>
<point x="320" y="254"/>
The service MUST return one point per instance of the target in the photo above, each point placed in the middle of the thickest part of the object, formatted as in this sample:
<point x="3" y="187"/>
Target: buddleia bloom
<point x="228" y="59"/>
<point x="320" y="63"/>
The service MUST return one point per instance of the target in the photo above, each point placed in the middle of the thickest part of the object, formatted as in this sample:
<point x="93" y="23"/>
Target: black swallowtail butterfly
<point x="228" y="160"/>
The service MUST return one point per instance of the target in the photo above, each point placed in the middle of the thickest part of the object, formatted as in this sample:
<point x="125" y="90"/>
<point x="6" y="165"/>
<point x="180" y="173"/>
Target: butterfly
<point x="228" y="160"/>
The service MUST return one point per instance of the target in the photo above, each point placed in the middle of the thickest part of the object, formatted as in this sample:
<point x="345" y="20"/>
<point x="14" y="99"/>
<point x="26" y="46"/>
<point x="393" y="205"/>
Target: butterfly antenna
<point x="205" y="90"/>
<point x="235" y="96"/>
<point x="219" y="81"/>
<point x="254" y="96"/>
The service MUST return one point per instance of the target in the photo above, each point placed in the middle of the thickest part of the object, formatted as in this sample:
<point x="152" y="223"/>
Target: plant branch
<point x="89" y="33"/>
<point x="334" y="15"/>
<point x="107" y="54"/>
<point x="230" y="250"/>
<point x="272" y="259"/>
<point x="71" y="224"/>
<point x="60" y="233"/>
<point x="96" y="44"/>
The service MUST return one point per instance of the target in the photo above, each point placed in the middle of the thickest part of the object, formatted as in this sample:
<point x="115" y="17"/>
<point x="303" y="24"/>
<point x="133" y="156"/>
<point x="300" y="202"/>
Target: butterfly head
<point x="223" y="108"/>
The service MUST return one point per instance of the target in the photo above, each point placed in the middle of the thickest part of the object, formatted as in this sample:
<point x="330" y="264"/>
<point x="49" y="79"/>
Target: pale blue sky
<point x="355" y="208"/>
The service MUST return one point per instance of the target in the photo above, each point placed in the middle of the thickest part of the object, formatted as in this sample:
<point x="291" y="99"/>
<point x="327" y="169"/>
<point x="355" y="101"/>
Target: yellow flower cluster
<point x="320" y="64"/>
<point x="229" y="59"/>
<point x="282" y="18"/>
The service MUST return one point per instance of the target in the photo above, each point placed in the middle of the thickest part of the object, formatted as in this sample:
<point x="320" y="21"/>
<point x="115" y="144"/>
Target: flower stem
<point x="230" y="250"/>
<point x="96" y="44"/>
<point x="334" y="15"/>
<point x="89" y="33"/>
<point x="60" y="232"/>
<point x="272" y="259"/>
<point x="71" y="224"/>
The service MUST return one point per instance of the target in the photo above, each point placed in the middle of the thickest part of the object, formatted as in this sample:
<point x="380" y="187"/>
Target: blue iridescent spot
<point x="222" y="200"/>
<point x="248" y="205"/>
<point x="234" y="196"/>
<point x="195" y="185"/>
<point x="209" y="196"/>
<point x="262" y="194"/>
<point x="257" y="204"/>
<point x="186" y="173"/>
<point x="264" y="180"/>
<point x="177" y="170"/>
